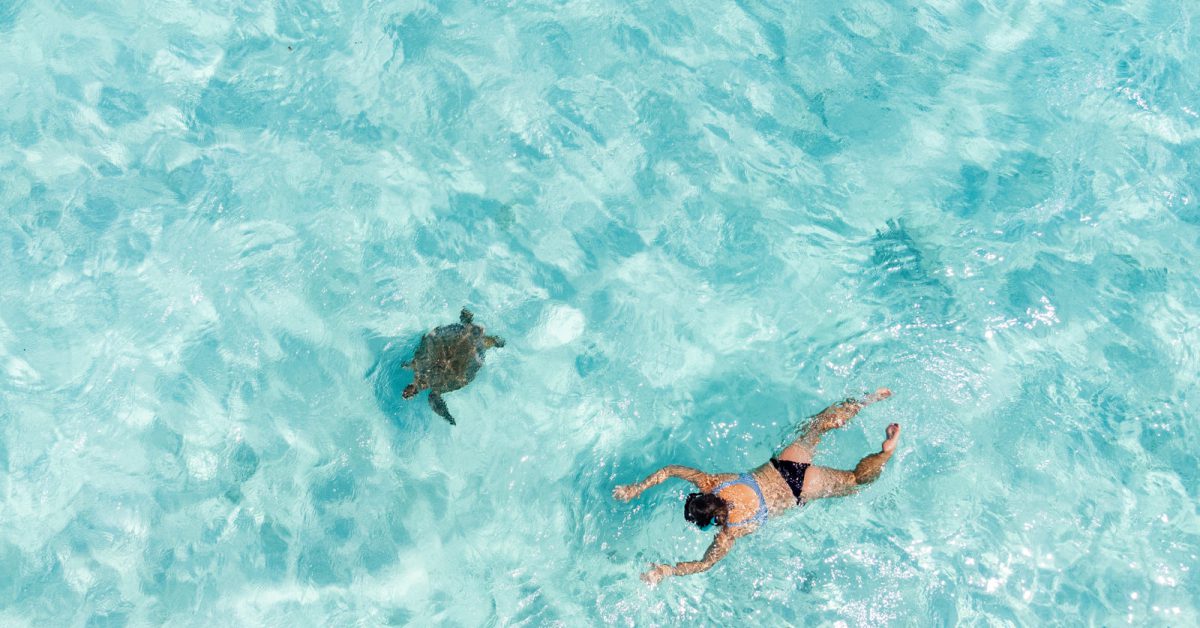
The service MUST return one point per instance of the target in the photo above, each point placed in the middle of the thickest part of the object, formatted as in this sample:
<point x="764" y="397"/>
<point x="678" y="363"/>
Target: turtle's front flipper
<point x="493" y="341"/>
<point x="439" y="406"/>
<point x="465" y="317"/>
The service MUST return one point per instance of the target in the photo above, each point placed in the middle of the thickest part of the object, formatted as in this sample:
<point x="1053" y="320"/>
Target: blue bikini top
<point x="746" y="479"/>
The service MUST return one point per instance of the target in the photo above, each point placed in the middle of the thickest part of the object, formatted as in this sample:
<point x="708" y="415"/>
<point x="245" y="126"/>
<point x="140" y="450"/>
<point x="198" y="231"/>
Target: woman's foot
<point x="878" y="395"/>
<point x="893" y="437"/>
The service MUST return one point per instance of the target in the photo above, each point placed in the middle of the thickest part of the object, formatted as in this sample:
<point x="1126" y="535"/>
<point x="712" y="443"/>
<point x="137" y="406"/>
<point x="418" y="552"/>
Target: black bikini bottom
<point x="793" y="474"/>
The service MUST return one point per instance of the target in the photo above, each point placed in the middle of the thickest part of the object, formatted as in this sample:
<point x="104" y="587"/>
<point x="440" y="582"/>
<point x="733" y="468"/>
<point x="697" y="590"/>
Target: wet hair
<point x="705" y="509"/>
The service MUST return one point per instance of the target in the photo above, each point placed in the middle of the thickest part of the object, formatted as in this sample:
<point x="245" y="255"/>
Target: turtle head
<point x="410" y="391"/>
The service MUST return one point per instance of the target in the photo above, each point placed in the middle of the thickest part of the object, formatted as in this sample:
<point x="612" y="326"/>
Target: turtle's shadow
<point x="389" y="379"/>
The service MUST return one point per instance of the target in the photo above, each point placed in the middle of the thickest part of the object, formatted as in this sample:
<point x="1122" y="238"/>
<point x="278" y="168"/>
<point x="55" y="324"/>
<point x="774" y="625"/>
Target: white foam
<point x="559" y="325"/>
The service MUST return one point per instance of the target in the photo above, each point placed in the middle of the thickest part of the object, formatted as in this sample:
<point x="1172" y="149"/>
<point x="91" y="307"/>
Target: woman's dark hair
<point x="704" y="509"/>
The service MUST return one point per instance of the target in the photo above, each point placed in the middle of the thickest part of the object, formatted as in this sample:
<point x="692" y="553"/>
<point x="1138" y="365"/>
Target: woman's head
<point x="705" y="509"/>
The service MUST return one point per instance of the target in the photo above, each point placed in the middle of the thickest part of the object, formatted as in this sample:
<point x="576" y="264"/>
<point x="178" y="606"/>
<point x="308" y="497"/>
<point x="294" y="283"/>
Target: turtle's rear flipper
<point x="439" y="406"/>
<point x="465" y="317"/>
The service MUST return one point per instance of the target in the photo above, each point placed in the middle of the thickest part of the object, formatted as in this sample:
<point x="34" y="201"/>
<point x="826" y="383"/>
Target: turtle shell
<point x="449" y="357"/>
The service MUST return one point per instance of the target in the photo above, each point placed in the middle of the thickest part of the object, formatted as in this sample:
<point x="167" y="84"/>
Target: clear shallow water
<point x="694" y="223"/>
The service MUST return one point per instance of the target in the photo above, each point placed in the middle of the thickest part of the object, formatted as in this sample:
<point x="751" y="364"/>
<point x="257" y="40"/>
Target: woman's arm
<point x="630" y="491"/>
<point x="719" y="548"/>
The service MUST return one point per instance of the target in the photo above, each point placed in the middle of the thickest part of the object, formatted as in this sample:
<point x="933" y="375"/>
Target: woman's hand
<point x="626" y="492"/>
<point x="657" y="573"/>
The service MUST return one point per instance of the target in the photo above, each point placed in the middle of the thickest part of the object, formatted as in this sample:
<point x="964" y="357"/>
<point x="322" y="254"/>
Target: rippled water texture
<point x="225" y="224"/>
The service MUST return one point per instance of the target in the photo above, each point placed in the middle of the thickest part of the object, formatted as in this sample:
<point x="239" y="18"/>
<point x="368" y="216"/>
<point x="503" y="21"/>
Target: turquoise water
<point x="695" y="223"/>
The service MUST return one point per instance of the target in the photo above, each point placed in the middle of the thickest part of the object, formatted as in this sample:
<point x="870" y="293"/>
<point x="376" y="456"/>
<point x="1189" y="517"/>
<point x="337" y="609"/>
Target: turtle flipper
<point x="465" y="317"/>
<point x="493" y="341"/>
<point x="439" y="406"/>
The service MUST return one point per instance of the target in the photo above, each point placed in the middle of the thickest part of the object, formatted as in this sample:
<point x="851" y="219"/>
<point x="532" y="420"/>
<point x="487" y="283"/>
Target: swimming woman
<point x="739" y="504"/>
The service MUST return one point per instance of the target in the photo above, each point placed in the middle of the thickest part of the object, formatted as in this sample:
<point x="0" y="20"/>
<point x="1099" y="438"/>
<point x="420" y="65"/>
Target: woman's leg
<point x="805" y="446"/>
<point x="821" y="482"/>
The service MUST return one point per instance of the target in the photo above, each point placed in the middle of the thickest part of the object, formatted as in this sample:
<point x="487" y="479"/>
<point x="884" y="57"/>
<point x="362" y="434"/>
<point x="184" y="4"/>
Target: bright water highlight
<point x="695" y="223"/>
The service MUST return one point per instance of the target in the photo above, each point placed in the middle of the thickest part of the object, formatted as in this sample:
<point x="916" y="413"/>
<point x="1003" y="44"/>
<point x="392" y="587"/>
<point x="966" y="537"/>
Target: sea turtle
<point x="448" y="359"/>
